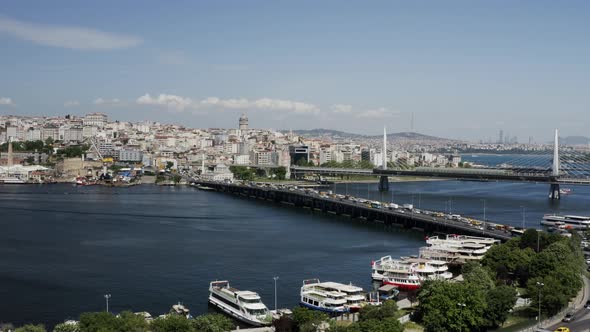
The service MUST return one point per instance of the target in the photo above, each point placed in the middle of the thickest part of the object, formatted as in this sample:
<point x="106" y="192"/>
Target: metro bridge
<point x="569" y="167"/>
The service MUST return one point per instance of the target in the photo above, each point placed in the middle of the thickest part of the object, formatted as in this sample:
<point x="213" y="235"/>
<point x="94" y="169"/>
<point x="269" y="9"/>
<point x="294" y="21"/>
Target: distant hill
<point x="320" y="132"/>
<point x="574" y="140"/>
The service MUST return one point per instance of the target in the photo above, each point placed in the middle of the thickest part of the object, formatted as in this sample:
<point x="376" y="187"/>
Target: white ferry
<point x="456" y="249"/>
<point x="395" y="272"/>
<point x="326" y="297"/>
<point x="568" y="221"/>
<point x="245" y="306"/>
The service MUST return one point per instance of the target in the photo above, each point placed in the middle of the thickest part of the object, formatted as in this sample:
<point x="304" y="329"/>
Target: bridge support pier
<point x="383" y="183"/>
<point x="554" y="192"/>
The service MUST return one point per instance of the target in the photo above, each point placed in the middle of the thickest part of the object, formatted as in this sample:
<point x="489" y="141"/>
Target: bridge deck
<point x="409" y="219"/>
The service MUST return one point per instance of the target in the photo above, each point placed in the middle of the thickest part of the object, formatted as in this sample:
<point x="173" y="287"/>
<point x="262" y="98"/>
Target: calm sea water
<point x="62" y="247"/>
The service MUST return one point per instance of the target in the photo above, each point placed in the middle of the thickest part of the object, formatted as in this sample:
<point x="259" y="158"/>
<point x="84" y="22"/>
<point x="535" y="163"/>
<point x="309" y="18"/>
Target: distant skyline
<point x="460" y="69"/>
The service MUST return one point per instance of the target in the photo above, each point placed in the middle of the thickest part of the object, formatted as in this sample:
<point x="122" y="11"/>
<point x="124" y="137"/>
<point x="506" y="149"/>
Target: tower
<point x="243" y="122"/>
<point x="10" y="151"/>
<point x="383" y="180"/>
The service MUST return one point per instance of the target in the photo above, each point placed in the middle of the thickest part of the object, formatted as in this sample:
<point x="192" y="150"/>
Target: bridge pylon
<point x="383" y="183"/>
<point x="554" y="190"/>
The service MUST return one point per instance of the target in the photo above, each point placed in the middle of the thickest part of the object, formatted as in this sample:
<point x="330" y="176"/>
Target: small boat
<point x="180" y="310"/>
<point x="565" y="191"/>
<point x="245" y="306"/>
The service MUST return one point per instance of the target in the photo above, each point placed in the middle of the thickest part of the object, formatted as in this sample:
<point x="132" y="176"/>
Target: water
<point x="62" y="247"/>
<point x="504" y="201"/>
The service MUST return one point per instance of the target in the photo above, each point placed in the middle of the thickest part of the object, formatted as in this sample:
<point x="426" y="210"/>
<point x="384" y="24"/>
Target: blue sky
<point x="465" y="69"/>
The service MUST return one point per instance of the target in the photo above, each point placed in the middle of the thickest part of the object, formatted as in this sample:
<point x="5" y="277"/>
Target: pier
<point x="338" y="206"/>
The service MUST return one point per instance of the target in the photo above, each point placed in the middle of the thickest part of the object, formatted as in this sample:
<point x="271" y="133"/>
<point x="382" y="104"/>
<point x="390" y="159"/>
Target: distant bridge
<point x="570" y="168"/>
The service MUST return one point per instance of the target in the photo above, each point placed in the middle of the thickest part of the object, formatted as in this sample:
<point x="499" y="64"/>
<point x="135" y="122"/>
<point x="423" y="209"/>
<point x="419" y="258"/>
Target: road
<point x="582" y="321"/>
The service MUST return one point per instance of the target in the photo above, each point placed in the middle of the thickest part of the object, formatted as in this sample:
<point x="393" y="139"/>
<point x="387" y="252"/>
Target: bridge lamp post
<point x="107" y="297"/>
<point x="523" y="217"/>
<point x="484" y="215"/>
<point x="275" y="279"/>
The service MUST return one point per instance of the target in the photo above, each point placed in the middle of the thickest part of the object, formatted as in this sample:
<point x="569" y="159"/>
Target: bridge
<point x="332" y="204"/>
<point x="568" y="167"/>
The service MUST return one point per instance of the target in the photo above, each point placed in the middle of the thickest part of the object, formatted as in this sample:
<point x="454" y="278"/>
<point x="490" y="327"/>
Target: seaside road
<point x="582" y="321"/>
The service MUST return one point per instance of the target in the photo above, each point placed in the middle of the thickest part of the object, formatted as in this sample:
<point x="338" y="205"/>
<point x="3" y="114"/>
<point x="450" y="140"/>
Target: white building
<point x="95" y="119"/>
<point x="132" y="155"/>
<point x="220" y="173"/>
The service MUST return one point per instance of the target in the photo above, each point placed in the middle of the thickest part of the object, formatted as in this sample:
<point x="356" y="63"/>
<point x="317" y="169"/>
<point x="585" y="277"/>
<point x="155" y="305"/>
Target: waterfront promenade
<point x="331" y="204"/>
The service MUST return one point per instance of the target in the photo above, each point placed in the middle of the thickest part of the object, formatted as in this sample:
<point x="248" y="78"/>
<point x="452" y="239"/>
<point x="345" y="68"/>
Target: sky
<point x="461" y="69"/>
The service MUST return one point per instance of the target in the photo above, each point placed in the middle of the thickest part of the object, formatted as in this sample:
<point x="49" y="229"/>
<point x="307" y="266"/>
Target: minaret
<point x="10" y="151"/>
<point x="202" y="164"/>
<point x="384" y="152"/>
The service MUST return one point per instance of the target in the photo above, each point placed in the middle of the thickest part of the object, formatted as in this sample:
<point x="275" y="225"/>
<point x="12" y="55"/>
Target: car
<point x="587" y="305"/>
<point x="562" y="329"/>
<point x="568" y="317"/>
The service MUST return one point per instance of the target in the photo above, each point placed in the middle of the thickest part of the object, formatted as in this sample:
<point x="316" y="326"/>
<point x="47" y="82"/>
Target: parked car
<point x="587" y="305"/>
<point x="568" y="317"/>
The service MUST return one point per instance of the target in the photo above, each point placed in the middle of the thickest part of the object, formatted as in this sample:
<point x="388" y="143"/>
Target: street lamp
<point x="523" y="217"/>
<point x="275" y="279"/>
<point x="107" y="297"/>
<point x="484" y="215"/>
<point x="539" y="286"/>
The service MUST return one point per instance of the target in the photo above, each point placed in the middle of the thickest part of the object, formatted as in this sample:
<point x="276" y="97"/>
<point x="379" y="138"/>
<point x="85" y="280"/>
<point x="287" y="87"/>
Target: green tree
<point x="31" y="328"/>
<point x="308" y="320"/>
<point x="477" y="276"/>
<point x="386" y="310"/>
<point x="280" y="172"/>
<point x="448" y="306"/>
<point x="500" y="301"/>
<point x="98" y="322"/>
<point x="176" y="178"/>
<point x="63" y="327"/>
<point x="213" y="323"/>
<point x="172" y="323"/>
<point x="169" y="165"/>
<point x="390" y="324"/>
<point x="130" y="322"/>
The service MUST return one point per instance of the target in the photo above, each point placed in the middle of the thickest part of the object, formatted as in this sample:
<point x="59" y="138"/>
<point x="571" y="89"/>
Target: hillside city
<point x="63" y="148"/>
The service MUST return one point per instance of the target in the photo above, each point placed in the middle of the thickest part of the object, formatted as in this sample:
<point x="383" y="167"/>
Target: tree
<point x="169" y="165"/>
<point x="63" y="327"/>
<point x="176" y="178"/>
<point x="172" y="323"/>
<point x="448" y="306"/>
<point x="280" y="172"/>
<point x="500" y="301"/>
<point x="308" y="320"/>
<point x="284" y="324"/>
<point x="131" y="322"/>
<point x="386" y="310"/>
<point x="477" y="276"/>
<point x="212" y="323"/>
<point x="31" y="328"/>
<point x="98" y="322"/>
<point x="390" y="324"/>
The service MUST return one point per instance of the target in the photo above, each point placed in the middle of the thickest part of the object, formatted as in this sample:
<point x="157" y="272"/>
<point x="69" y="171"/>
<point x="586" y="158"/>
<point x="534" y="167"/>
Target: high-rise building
<point x="501" y="137"/>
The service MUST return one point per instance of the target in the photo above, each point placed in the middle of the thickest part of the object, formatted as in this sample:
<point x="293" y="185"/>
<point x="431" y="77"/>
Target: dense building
<point x="299" y="154"/>
<point x="130" y="155"/>
<point x="95" y="119"/>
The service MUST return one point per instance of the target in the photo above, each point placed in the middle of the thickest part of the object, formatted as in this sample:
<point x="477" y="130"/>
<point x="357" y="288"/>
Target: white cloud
<point x="66" y="36"/>
<point x="6" y="101"/>
<point x="102" y="101"/>
<point x="261" y="104"/>
<point x="72" y="103"/>
<point x="172" y="102"/>
<point x="378" y="113"/>
<point x="341" y="108"/>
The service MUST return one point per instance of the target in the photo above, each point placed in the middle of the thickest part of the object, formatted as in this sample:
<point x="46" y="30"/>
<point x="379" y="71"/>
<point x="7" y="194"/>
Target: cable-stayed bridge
<point x="562" y="165"/>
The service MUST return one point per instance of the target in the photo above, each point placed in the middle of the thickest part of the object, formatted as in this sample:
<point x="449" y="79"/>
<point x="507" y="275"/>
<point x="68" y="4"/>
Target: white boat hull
<point x="234" y="313"/>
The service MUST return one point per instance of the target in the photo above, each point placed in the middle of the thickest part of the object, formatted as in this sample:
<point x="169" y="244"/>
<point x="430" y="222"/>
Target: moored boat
<point x="245" y="306"/>
<point x="567" y="221"/>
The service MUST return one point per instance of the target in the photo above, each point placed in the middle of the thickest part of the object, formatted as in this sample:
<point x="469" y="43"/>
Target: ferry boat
<point x="456" y="249"/>
<point x="325" y="297"/>
<point x="568" y="221"/>
<point x="395" y="272"/>
<point x="245" y="306"/>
